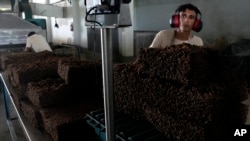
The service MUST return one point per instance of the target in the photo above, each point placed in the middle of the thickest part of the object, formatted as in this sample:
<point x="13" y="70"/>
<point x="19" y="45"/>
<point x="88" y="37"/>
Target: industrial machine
<point x="127" y="129"/>
<point x="13" y="29"/>
<point x="108" y="13"/>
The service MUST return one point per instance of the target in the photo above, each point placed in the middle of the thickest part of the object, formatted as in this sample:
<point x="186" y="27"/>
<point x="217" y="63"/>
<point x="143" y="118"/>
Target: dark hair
<point x="31" y="33"/>
<point x="183" y="7"/>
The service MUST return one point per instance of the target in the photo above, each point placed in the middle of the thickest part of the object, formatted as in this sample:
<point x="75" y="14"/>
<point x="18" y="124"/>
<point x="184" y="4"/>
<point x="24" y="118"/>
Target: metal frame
<point x="30" y="133"/>
<point x="7" y="101"/>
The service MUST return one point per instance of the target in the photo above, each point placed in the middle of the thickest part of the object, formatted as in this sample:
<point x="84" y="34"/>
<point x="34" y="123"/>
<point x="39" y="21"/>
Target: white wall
<point x="63" y="34"/>
<point x="70" y="14"/>
<point x="74" y="15"/>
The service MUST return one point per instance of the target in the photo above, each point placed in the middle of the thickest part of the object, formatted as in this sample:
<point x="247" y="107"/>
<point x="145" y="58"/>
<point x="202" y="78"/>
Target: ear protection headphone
<point x="175" y="21"/>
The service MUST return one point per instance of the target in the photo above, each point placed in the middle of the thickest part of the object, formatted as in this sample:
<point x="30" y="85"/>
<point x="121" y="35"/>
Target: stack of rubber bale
<point x="21" y="68"/>
<point x="54" y="92"/>
<point x="187" y="92"/>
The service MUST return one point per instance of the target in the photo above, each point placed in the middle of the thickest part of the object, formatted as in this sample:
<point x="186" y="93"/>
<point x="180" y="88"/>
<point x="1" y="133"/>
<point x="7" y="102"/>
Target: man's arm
<point x="156" y="41"/>
<point x="28" y="45"/>
<point x="162" y="39"/>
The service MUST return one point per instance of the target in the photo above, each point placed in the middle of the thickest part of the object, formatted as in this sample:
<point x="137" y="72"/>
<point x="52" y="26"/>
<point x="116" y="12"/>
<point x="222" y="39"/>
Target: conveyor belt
<point x="126" y="128"/>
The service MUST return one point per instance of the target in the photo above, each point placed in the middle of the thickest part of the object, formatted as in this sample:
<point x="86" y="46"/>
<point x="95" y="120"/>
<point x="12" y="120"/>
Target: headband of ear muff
<point x="175" y="21"/>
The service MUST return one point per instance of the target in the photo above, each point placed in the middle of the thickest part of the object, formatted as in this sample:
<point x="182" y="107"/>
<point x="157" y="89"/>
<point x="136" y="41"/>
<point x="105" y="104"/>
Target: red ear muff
<point x="174" y="21"/>
<point x="197" y="25"/>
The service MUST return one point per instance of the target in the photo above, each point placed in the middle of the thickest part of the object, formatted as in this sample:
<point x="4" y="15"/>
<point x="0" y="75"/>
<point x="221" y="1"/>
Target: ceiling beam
<point x="47" y="10"/>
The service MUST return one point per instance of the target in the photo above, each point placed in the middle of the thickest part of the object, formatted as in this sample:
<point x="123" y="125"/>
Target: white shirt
<point x="192" y="40"/>
<point x="38" y="43"/>
<point x="165" y="38"/>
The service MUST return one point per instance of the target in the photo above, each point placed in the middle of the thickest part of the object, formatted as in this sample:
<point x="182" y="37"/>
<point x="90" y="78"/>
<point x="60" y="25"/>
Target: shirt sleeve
<point x="198" y="41"/>
<point x="163" y="39"/>
<point x="201" y="42"/>
<point x="28" y="43"/>
<point x="157" y="40"/>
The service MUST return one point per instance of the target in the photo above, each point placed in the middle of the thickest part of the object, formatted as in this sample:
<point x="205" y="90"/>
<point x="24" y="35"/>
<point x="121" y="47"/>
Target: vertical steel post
<point x="107" y="72"/>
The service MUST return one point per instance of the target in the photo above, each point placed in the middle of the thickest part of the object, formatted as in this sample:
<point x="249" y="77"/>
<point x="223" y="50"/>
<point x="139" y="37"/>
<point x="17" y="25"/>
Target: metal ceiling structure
<point x="5" y="6"/>
<point x="13" y="29"/>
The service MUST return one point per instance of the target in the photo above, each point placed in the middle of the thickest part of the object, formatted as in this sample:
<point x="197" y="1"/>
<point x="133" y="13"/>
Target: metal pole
<point x="107" y="72"/>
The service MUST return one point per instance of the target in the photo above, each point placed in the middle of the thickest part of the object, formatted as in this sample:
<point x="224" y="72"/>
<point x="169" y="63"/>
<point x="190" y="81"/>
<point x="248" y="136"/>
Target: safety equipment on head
<point x="175" y="21"/>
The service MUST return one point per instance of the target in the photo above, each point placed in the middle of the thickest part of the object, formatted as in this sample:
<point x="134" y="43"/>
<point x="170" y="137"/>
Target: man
<point x="184" y="21"/>
<point x="36" y="43"/>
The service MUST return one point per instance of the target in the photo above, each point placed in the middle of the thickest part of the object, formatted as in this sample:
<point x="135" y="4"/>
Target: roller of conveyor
<point x="126" y="128"/>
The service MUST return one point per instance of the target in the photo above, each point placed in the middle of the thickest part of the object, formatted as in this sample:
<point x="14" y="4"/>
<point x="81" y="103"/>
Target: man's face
<point x="187" y="19"/>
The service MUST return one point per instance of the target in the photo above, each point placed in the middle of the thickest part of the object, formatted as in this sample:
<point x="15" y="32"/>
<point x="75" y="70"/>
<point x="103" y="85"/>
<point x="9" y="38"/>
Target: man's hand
<point x="28" y="49"/>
